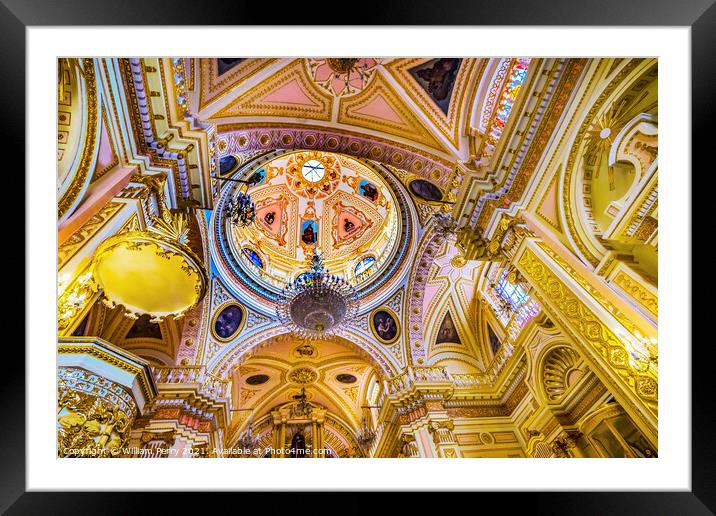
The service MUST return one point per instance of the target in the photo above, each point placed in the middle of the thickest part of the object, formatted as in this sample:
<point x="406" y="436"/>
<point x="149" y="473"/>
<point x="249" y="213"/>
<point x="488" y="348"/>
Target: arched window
<point x="253" y="257"/>
<point x="524" y="308"/>
<point x="364" y="265"/>
<point x="513" y="294"/>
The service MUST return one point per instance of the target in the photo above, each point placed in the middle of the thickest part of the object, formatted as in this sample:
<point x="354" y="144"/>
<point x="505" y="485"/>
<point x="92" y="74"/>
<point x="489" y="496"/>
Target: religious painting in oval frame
<point x="385" y="325"/>
<point x="425" y="191"/>
<point x="228" y="321"/>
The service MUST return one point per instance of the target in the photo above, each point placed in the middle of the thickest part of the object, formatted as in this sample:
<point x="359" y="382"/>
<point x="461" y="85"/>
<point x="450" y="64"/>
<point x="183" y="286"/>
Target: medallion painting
<point x="228" y="164"/>
<point x="368" y="189"/>
<point x="309" y="232"/>
<point x="385" y="326"/>
<point x="228" y="321"/>
<point x="494" y="339"/>
<point x="426" y="190"/>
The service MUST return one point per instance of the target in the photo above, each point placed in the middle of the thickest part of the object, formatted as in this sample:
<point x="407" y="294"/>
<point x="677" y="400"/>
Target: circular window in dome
<point x="228" y="322"/>
<point x="257" y="379"/>
<point x="313" y="170"/>
<point x="346" y="378"/>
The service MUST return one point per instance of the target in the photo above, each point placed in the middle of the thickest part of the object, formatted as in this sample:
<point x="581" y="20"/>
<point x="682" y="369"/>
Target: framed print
<point x="387" y="246"/>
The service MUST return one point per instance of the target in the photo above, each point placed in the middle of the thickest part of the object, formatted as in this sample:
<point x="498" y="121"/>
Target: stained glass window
<point x="513" y="83"/>
<point x="513" y="294"/>
<point x="253" y="257"/>
<point x="364" y="265"/>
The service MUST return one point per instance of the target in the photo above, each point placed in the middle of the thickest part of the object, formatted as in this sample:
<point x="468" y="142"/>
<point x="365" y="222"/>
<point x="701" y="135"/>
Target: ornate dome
<point x="312" y="200"/>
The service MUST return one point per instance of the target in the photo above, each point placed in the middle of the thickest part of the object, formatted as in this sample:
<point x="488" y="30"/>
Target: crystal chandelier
<point x="365" y="435"/>
<point x="247" y="440"/>
<point x="240" y="210"/>
<point x="316" y="303"/>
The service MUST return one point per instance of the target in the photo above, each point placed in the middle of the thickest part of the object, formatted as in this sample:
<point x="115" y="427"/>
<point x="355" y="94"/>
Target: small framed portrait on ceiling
<point x="385" y="325"/>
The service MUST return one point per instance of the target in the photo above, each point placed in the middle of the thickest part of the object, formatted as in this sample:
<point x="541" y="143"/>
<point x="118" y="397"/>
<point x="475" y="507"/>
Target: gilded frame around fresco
<point x="700" y="15"/>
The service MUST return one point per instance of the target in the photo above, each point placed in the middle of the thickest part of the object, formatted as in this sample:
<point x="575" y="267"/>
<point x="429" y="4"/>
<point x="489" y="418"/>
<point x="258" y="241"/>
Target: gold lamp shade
<point x="148" y="273"/>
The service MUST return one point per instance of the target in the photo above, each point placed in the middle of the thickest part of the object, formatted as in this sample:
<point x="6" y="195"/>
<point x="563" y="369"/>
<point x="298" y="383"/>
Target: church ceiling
<point x="331" y="371"/>
<point x="416" y="100"/>
<point x="449" y="308"/>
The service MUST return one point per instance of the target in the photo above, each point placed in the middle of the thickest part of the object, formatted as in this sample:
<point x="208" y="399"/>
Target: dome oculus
<point x="313" y="171"/>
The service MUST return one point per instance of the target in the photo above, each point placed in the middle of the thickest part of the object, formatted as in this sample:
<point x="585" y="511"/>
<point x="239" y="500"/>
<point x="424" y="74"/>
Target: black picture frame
<point x="700" y="15"/>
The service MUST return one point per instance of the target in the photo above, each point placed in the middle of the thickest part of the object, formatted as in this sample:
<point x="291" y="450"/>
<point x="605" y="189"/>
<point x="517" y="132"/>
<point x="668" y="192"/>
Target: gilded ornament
<point x="79" y="181"/>
<point x="593" y="332"/>
<point x="303" y="375"/>
<point x="88" y="423"/>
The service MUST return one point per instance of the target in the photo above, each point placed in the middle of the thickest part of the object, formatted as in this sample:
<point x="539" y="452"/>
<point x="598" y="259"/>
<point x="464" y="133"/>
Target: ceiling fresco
<point x="318" y="201"/>
<point x="333" y="374"/>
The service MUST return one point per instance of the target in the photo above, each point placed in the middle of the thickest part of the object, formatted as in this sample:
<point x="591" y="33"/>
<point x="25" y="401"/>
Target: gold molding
<point x="578" y="318"/>
<point x="593" y="292"/>
<point x="97" y="174"/>
<point x="576" y="147"/>
<point x="69" y="248"/>
<point x="88" y="149"/>
<point x="465" y="79"/>
<point x="412" y="127"/>
<point x="538" y="210"/>
<point x="230" y="127"/>
<point x="210" y="81"/>
<point x="637" y="292"/>
<point x="251" y="101"/>
<point x="94" y="347"/>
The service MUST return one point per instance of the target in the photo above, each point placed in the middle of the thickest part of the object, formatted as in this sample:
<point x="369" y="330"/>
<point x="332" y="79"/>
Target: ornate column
<point x="280" y="418"/>
<point x="318" y="417"/>
<point x="407" y="446"/>
<point x="611" y="342"/>
<point x="101" y="390"/>
<point x="315" y="441"/>
<point x="443" y="438"/>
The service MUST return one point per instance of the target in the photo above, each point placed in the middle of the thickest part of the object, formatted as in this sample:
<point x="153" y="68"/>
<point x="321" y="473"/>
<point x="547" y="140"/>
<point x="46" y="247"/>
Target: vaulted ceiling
<point x="421" y="102"/>
<point x="334" y="375"/>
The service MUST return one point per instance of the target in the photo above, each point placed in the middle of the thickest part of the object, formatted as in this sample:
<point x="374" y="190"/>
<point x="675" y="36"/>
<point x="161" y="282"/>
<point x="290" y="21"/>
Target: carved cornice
<point x="112" y="356"/>
<point x="560" y="99"/>
<point x="88" y="152"/>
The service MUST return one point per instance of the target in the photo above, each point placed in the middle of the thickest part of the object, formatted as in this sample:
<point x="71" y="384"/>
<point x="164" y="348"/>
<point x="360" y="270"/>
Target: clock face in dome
<point x="313" y="170"/>
<point x="313" y="201"/>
